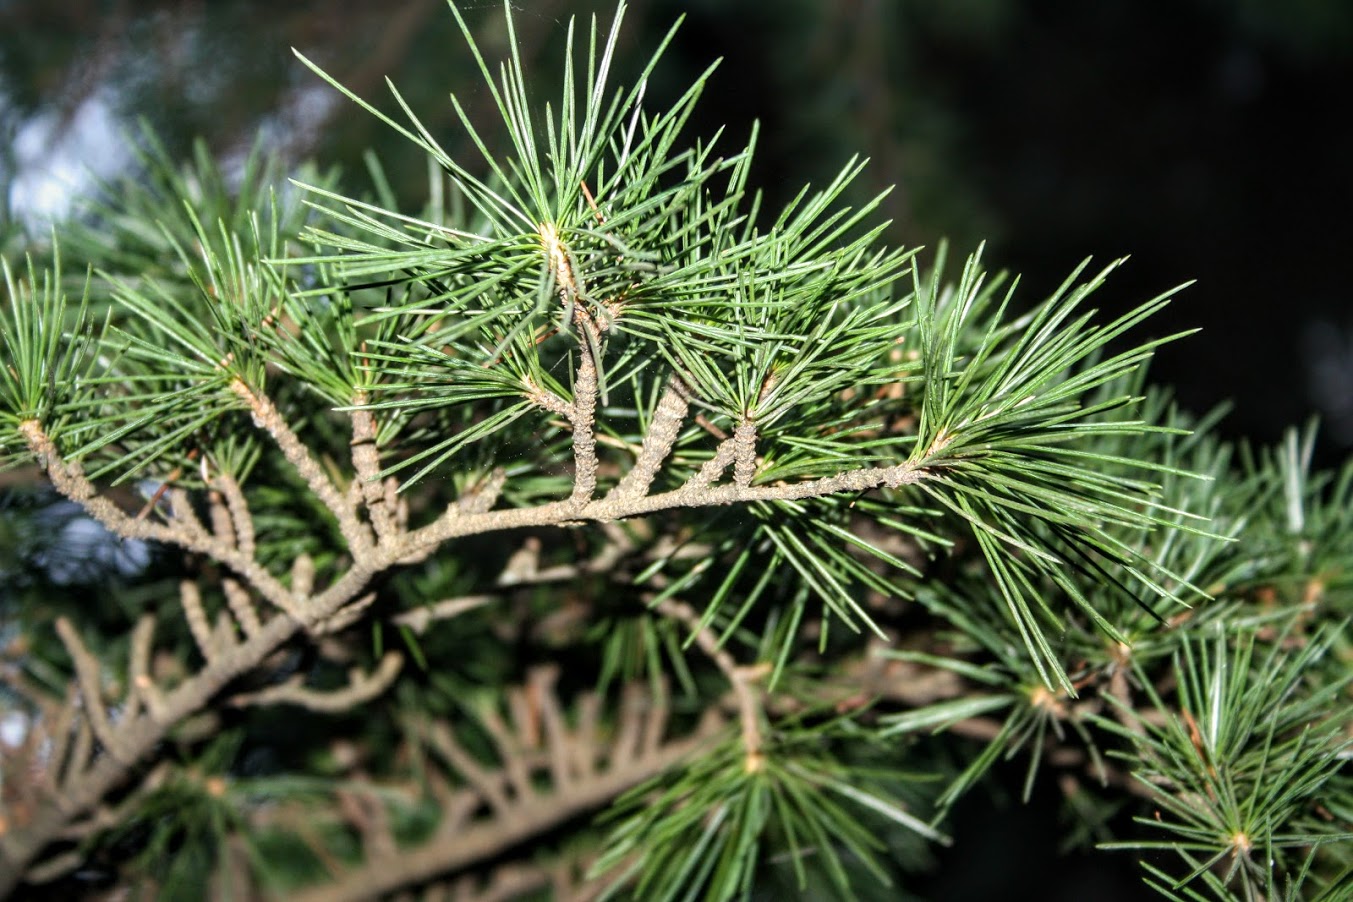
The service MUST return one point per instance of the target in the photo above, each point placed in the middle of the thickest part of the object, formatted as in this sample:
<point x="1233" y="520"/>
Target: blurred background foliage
<point x="1209" y="139"/>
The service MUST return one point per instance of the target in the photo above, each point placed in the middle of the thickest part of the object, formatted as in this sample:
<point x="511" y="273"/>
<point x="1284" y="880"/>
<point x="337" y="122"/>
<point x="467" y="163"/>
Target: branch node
<point x="344" y="617"/>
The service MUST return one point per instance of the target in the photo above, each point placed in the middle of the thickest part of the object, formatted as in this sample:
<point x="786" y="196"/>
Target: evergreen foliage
<point x="597" y="530"/>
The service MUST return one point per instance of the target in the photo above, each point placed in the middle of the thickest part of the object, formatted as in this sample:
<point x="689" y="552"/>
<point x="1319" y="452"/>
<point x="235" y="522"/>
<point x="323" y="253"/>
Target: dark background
<point x="1208" y="139"/>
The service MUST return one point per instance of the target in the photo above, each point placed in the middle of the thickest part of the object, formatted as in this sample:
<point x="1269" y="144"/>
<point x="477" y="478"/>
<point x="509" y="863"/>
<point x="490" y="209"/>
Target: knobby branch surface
<point x="376" y="493"/>
<point x="669" y="416"/>
<point x="268" y="418"/>
<point x="377" y="539"/>
<point x="585" y="389"/>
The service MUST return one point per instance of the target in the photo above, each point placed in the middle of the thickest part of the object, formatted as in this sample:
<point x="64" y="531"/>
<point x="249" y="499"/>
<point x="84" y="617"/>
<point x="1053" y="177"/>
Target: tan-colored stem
<point x="744" y="453"/>
<point x="268" y="418"/>
<point x="663" y="430"/>
<point x="713" y="469"/>
<point x="136" y="737"/>
<point x="362" y="687"/>
<point x="366" y="464"/>
<point x="742" y="679"/>
<point x="68" y="478"/>
<point x="584" y="427"/>
<point x="608" y="509"/>
<point x="419" y="619"/>
<point x="87" y="675"/>
<point x="241" y="519"/>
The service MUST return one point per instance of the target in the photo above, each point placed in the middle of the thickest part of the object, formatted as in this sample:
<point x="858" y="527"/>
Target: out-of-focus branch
<point x="742" y="679"/>
<point x="419" y="619"/>
<point x="91" y="687"/>
<point x="513" y="807"/>
<point x="361" y="688"/>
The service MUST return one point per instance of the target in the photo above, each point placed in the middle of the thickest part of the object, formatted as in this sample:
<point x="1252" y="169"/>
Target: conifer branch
<point x="77" y="764"/>
<point x="342" y="618"/>
<point x="744" y="453"/>
<point x="183" y="515"/>
<point x="139" y="677"/>
<point x="195" y="615"/>
<point x="68" y="478"/>
<point x="517" y="879"/>
<point x="135" y="735"/>
<point x="220" y="517"/>
<point x="548" y="400"/>
<point x="1029" y="452"/>
<point x="62" y="732"/>
<point x="133" y="738"/>
<point x="366" y="465"/>
<point x="669" y="415"/>
<point x="56" y="867"/>
<point x="538" y="741"/>
<point x="90" y="681"/>
<point x="585" y="388"/>
<point x="268" y="418"/>
<point x="604" y="510"/>
<point x="241" y="519"/>
<point x="712" y="470"/>
<point x="362" y="687"/>
<point x="489" y="784"/>
<point x="303" y="575"/>
<point x="233" y="524"/>
<point x="741" y="679"/>
<point x="366" y="812"/>
<point x="241" y="605"/>
<point x="467" y="517"/>
<point x="482" y="496"/>
<point x="419" y="619"/>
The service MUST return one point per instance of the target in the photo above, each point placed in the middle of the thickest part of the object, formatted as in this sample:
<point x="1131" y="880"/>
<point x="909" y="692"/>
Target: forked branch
<point x="268" y="418"/>
<point x="501" y="804"/>
<point x="305" y="609"/>
<point x="362" y="687"/>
